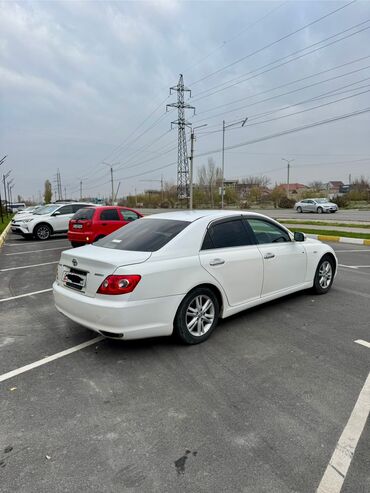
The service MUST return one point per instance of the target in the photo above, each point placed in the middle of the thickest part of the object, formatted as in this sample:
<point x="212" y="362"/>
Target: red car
<point x="92" y="223"/>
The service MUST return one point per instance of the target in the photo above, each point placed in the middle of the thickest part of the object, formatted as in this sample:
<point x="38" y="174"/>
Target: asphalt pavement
<point x="259" y="407"/>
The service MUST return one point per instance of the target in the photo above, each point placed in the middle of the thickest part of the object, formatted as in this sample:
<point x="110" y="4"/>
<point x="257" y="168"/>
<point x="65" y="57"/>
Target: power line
<point x="269" y="45"/>
<point x="324" y="95"/>
<point x="271" y="98"/>
<point x="289" y="131"/>
<point x="290" y="83"/>
<point x="249" y="26"/>
<point x="207" y="93"/>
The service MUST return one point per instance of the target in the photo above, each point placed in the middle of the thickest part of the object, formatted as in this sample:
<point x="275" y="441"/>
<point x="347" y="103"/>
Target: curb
<point x="3" y="235"/>
<point x="340" y="239"/>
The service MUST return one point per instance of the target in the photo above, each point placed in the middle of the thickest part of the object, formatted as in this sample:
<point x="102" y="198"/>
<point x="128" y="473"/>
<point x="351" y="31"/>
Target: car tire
<point x="42" y="232"/>
<point x="76" y="244"/>
<point x="299" y="209"/>
<point x="198" y="312"/>
<point x="324" y="275"/>
<point x="98" y="238"/>
<point x="320" y="210"/>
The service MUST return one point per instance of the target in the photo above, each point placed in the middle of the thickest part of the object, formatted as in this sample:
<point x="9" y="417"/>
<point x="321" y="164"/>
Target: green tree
<point x="47" y="192"/>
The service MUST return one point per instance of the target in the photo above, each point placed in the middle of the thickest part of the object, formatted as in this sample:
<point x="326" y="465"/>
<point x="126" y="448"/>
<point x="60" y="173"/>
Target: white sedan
<point x="179" y="272"/>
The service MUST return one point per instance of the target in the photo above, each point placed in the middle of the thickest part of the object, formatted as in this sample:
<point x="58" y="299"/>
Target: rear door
<point x="109" y="221"/>
<point x="284" y="260"/>
<point x="231" y="256"/>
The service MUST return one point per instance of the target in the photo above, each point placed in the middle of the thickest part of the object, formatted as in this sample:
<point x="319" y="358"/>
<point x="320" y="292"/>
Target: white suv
<point x="46" y="221"/>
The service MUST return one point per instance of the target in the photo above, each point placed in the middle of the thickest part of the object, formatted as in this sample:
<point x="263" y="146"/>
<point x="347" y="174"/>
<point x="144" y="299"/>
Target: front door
<point x="61" y="218"/>
<point x="284" y="260"/>
<point x="230" y="255"/>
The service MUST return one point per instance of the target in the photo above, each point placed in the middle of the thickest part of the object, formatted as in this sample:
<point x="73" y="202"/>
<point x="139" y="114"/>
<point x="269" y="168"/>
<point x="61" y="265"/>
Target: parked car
<point x="93" y="223"/>
<point x="46" y="221"/>
<point x="182" y="271"/>
<point x="15" y="207"/>
<point x="27" y="210"/>
<point x="315" y="205"/>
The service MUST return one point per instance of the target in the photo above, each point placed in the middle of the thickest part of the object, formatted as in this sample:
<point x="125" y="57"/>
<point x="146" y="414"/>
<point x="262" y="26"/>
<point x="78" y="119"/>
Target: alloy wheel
<point x="43" y="233"/>
<point x="325" y="274"/>
<point x="200" y="315"/>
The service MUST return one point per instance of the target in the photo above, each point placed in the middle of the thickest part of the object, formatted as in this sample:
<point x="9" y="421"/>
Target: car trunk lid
<point x="86" y="268"/>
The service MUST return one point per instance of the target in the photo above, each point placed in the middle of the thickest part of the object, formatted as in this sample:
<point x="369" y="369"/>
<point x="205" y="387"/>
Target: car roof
<point x="191" y="216"/>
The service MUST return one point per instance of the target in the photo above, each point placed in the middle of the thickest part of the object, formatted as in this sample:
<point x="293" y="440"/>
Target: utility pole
<point x="182" y="123"/>
<point x="288" y="161"/>
<point x="80" y="189"/>
<point x="191" y="174"/>
<point x="224" y="127"/>
<point x="111" y="178"/>
<point x="1" y="202"/>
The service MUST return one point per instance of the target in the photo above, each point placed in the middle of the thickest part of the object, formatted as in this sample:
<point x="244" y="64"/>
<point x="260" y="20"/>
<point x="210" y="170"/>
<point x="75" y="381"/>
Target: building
<point x="293" y="188"/>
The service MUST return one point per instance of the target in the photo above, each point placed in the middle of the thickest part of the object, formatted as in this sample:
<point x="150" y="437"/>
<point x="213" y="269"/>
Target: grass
<point x="330" y="232"/>
<point x="5" y="223"/>
<point x="326" y="223"/>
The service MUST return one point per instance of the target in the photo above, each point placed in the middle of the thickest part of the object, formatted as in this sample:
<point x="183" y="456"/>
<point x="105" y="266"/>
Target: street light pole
<point x="288" y="161"/>
<point x="224" y="127"/>
<point x="191" y="174"/>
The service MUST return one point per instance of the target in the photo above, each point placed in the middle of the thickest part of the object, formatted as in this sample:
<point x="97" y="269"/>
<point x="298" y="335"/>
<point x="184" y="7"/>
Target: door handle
<point x="269" y="255"/>
<point x="217" y="261"/>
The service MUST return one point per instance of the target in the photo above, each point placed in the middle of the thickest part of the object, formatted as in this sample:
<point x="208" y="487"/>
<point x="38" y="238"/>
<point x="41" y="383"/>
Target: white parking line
<point x="24" y="295"/>
<point x="340" y="461"/>
<point x="355" y="266"/>
<point x="363" y="343"/>
<point x="365" y="250"/>
<point x="28" y="266"/>
<point x="48" y="359"/>
<point x="34" y="251"/>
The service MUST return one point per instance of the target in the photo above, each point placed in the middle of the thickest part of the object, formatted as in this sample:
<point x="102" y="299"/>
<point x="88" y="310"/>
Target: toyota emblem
<point x="74" y="262"/>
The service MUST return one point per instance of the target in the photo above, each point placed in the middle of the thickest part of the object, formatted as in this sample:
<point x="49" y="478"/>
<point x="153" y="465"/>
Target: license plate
<point x="74" y="280"/>
<point x="77" y="226"/>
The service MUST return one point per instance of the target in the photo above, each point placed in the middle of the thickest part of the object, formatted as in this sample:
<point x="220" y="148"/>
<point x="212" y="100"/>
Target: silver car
<point x="315" y="205"/>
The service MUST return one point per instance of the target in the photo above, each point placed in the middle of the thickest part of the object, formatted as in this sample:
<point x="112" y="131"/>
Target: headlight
<point x="27" y="220"/>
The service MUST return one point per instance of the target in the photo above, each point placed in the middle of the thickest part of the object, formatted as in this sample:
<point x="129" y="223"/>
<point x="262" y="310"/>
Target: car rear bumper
<point x="81" y="237"/>
<point x="125" y="319"/>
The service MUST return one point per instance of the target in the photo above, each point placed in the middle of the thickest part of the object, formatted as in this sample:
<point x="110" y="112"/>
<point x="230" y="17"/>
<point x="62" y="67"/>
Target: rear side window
<point x="82" y="214"/>
<point x="129" y="215"/>
<point x="67" y="209"/>
<point x="109" y="215"/>
<point x="227" y="234"/>
<point x="146" y="235"/>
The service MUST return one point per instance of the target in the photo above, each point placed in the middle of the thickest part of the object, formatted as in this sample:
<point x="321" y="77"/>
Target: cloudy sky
<point x="83" y="83"/>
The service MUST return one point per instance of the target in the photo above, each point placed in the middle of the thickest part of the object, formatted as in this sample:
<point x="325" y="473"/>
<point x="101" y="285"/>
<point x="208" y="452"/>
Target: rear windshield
<point x="86" y="213"/>
<point x="146" y="235"/>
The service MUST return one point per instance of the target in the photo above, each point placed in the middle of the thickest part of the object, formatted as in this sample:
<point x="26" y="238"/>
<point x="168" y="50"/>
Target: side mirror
<point x="299" y="236"/>
<point x="57" y="213"/>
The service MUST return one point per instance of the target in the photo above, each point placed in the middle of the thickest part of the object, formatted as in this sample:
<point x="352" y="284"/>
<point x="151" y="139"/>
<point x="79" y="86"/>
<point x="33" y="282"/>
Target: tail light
<point x="119" y="284"/>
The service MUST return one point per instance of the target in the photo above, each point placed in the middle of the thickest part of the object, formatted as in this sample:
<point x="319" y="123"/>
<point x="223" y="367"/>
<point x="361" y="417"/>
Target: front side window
<point x="146" y="235"/>
<point x="225" y="234"/>
<point x="266" y="232"/>
<point x="109" y="215"/>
